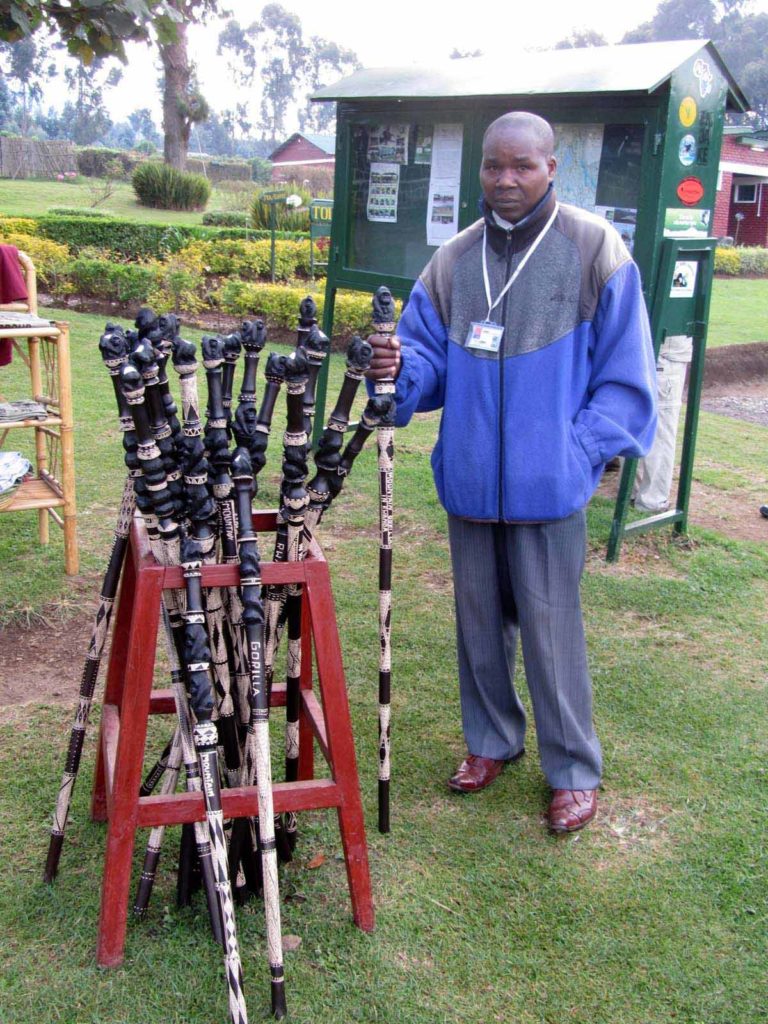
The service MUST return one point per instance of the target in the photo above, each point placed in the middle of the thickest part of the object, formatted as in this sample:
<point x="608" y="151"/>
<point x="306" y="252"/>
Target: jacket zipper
<point x="501" y="383"/>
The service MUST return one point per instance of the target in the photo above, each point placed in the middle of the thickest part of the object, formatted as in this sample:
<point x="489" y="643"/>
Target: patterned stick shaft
<point x="163" y="339"/>
<point x="197" y="659"/>
<point x="293" y="505"/>
<point x="258" y="760"/>
<point x="214" y="352"/>
<point x="158" y="770"/>
<point x="252" y="432"/>
<point x="164" y="537"/>
<point x="143" y="358"/>
<point x="322" y="487"/>
<point x="155" y="841"/>
<point x="113" y="346"/>
<point x="384" y="323"/>
<point x="89" y="678"/>
<point x="175" y="647"/>
<point x="295" y="370"/>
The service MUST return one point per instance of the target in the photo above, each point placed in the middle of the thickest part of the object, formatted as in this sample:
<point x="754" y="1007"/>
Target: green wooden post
<point x="673" y="315"/>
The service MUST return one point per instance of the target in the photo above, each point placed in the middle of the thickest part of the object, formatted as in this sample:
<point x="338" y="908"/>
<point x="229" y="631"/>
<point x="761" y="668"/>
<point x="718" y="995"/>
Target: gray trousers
<point x="510" y="577"/>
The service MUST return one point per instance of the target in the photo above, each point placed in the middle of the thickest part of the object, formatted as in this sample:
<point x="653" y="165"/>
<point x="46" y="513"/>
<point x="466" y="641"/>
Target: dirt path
<point x="42" y="660"/>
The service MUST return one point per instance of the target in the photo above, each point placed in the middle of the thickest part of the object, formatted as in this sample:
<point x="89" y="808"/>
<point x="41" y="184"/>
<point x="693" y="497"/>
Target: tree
<point x="27" y="68"/>
<point x="94" y="30"/>
<point x="183" y="103"/>
<point x="85" y="118"/>
<point x="289" y="67"/>
<point x="325" y="61"/>
<point x="581" y="38"/>
<point x="88" y="28"/>
<point x="742" y="39"/>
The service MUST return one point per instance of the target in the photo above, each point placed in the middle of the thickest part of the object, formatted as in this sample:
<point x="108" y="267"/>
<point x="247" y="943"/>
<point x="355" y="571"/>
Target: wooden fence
<point x="31" y="158"/>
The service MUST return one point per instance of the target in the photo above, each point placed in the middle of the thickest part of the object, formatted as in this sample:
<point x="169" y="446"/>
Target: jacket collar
<point x="519" y="236"/>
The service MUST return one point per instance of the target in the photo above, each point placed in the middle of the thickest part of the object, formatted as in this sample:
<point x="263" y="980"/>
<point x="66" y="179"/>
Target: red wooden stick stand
<point x="129" y="700"/>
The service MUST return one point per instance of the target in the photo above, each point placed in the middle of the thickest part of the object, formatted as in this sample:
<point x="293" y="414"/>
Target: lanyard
<point x="518" y="269"/>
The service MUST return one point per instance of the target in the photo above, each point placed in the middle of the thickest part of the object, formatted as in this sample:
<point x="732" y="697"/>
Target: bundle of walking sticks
<point x="195" y="495"/>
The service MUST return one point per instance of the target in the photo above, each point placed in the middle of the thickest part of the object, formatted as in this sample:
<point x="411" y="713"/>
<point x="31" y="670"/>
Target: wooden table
<point x="44" y="347"/>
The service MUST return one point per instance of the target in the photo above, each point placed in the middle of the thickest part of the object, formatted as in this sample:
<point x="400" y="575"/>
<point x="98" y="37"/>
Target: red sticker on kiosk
<point x="690" y="191"/>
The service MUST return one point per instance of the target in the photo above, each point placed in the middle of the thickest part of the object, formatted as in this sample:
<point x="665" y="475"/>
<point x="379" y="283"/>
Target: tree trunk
<point x="177" y="76"/>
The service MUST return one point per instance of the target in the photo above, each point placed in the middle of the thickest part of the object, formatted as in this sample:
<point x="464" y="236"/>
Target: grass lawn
<point x="31" y="198"/>
<point x="738" y="312"/>
<point x="655" y="914"/>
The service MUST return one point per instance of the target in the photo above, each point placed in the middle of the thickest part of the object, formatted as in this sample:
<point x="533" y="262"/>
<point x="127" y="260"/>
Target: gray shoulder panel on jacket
<point x="601" y="252"/>
<point x="437" y="276"/>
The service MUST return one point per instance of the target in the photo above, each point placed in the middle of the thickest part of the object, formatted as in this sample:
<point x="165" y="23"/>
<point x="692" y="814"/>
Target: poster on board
<point x="625" y="222"/>
<point x="388" y="143"/>
<point x="680" y="222"/>
<point x="383" y="188"/>
<point x="683" y="279"/>
<point x="444" y="182"/>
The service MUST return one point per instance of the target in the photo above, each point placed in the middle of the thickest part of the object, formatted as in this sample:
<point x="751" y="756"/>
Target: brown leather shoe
<point x="572" y="809"/>
<point x="475" y="773"/>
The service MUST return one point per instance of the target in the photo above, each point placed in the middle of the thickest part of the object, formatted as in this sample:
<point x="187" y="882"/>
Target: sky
<point x="395" y="33"/>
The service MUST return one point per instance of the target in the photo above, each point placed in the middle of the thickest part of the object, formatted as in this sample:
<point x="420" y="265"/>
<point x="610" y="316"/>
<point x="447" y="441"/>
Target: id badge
<point x="484" y="336"/>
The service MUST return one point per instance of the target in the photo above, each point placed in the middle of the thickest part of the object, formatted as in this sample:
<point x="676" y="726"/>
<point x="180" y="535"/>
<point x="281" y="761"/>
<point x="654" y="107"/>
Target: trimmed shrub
<point x="18" y="225"/>
<point x="226" y="219"/>
<point x="104" y="279"/>
<point x="77" y="211"/>
<point x="50" y="258"/>
<point x="133" y="241"/>
<point x="125" y="238"/>
<point x="754" y="261"/>
<point x="221" y="169"/>
<point x="728" y="261"/>
<point x="180" y="283"/>
<point x="162" y="187"/>
<point x="287" y="218"/>
<point x="98" y="162"/>
<point x="278" y="305"/>
<point x="235" y="258"/>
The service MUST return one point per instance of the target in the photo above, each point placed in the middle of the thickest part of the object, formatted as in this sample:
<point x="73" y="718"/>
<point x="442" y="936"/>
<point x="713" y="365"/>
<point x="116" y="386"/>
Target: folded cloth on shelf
<point x="13" y="288"/>
<point x="13" y="468"/>
<point x="24" y="409"/>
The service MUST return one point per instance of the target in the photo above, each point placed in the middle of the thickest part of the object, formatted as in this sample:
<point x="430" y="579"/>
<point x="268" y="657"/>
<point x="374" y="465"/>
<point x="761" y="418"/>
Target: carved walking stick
<point x="114" y="349"/>
<point x="257" y="758"/>
<point x="384" y="323"/>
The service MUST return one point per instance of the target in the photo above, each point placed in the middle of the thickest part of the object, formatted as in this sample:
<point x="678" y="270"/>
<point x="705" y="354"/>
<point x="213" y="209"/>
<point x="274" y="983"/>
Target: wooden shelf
<point x="37" y="493"/>
<point x="54" y="448"/>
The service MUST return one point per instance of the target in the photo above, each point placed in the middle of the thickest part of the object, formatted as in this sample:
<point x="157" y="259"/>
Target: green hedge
<point x="278" y="304"/>
<point x="105" y="279"/>
<point x="224" y="219"/>
<point x="97" y="162"/>
<point x="133" y="241"/>
<point x="741" y="261"/>
<point x="77" y="211"/>
<point x="252" y="259"/>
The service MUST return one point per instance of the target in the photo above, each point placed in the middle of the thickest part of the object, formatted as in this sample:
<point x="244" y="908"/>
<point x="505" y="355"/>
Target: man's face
<point x="515" y="173"/>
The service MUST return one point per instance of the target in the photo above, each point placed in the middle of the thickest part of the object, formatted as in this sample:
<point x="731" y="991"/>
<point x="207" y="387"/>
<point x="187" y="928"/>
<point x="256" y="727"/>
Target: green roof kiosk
<point x="638" y="131"/>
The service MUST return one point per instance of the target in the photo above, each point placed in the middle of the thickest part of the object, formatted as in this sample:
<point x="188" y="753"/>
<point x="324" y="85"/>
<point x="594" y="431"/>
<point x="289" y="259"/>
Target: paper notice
<point x="383" y="188"/>
<point x="444" y="182"/>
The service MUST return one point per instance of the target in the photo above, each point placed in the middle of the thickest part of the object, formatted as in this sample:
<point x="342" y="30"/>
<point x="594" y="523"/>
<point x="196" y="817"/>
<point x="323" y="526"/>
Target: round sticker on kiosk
<point x="687" y="151"/>
<point x="688" y="111"/>
<point x="690" y="191"/>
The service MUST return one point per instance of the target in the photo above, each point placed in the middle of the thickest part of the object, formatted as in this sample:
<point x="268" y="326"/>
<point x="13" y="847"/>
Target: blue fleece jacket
<point x="526" y="432"/>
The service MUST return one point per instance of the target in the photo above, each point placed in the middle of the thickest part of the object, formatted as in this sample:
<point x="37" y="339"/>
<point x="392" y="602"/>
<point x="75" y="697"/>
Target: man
<point x="530" y="331"/>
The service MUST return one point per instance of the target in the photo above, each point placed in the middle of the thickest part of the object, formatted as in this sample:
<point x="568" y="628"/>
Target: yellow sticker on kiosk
<point x="688" y="111"/>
